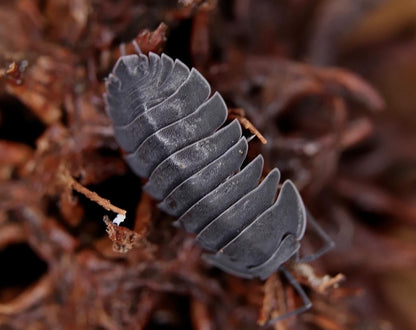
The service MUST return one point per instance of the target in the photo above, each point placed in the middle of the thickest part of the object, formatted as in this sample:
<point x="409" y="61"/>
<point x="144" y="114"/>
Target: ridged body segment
<point x="165" y="119"/>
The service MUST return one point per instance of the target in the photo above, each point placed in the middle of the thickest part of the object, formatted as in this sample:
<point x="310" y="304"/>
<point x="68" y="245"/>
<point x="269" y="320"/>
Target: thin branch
<point x="238" y="113"/>
<point x="93" y="196"/>
<point x="320" y="284"/>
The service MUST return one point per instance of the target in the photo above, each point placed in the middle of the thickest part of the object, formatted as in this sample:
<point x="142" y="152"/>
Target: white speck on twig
<point x="119" y="219"/>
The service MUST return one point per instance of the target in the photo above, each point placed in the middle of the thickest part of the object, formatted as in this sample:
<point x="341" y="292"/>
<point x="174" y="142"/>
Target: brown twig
<point x="93" y="196"/>
<point x="123" y="238"/>
<point x="238" y="113"/>
<point x="31" y="296"/>
<point x="320" y="284"/>
<point x="273" y="302"/>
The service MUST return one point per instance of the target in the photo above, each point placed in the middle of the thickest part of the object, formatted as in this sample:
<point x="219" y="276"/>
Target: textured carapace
<point x="172" y="129"/>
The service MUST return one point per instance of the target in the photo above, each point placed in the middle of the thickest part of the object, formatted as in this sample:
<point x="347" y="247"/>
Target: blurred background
<point x="331" y="86"/>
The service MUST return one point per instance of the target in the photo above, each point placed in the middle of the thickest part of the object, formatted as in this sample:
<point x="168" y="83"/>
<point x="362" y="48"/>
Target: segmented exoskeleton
<point x="172" y="129"/>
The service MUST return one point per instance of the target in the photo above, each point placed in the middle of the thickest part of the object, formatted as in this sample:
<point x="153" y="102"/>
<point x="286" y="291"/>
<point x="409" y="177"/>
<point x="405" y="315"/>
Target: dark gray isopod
<point x="164" y="118"/>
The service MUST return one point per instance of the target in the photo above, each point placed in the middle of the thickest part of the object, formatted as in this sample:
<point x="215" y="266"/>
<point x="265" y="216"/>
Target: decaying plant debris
<point x="330" y="86"/>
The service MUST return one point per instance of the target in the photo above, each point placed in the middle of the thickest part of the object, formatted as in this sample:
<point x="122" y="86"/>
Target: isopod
<point x="173" y="131"/>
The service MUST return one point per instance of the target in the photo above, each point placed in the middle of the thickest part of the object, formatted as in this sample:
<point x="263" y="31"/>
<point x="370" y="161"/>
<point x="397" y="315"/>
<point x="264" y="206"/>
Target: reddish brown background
<point x="331" y="85"/>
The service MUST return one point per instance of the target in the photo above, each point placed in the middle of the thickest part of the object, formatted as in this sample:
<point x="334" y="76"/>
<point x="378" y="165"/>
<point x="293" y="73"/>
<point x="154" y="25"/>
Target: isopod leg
<point x="328" y="242"/>
<point x="306" y="302"/>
